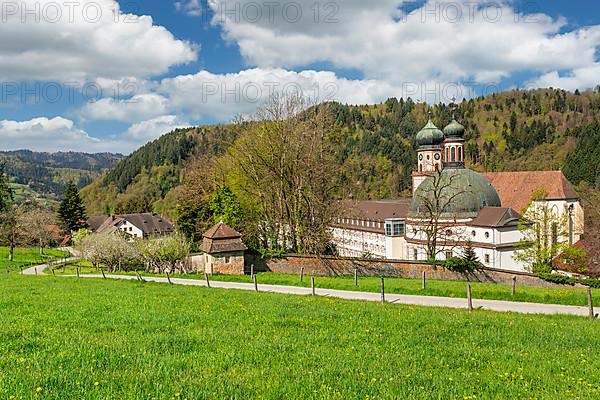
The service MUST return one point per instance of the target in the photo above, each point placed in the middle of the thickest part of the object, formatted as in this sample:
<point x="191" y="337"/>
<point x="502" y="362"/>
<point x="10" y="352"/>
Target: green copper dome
<point x="430" y="135"/>
<point x="454" y="130"/>
<point x="460" y="192"/>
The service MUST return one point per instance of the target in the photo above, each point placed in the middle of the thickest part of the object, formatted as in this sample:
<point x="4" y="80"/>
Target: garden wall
<point x="335" y="266"/>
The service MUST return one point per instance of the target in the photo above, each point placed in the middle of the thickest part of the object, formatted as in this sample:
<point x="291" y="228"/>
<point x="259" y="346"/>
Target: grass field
<point x="566" y="295"/>
<point x="27" y="256"/>
<point x="81" y="339"/>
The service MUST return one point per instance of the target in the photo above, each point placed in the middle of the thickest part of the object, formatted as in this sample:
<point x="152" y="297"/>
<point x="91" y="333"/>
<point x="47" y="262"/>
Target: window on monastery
<point x="388" y="229"/>
<point x="453" y="154"/>
<point x="460" y="155"/>
<point x="415" y="254"/>
<point x="487" y="235"/>
<point x="487" y="258"/>
<point x="449" y="255"/>
<point x="473" y="233"/>
<point x="554" y="233"/>
<point x="227" y="259"/>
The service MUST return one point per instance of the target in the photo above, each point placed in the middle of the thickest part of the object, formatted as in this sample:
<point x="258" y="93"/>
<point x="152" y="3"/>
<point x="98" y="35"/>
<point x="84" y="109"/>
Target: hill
<point x="374" y="145"/>
<point x="45" y="175"/>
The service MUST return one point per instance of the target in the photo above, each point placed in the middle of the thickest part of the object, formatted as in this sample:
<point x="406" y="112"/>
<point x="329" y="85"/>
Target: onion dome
<point x="463" y="193"/>
<point x="430" y="135"/>
<point x="454" y="130"/>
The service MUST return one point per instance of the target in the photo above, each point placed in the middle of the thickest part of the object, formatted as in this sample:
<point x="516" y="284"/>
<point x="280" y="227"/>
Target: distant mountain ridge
<point x="44" y="175"/>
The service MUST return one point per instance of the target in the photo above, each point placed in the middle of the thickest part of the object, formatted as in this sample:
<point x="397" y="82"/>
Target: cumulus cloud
<point x="579" y="78"/>
<point x="441" y="41"/>
<point x="85" y="40"/>
<point x="61" y="134"/>
<point x="138" y="108"/>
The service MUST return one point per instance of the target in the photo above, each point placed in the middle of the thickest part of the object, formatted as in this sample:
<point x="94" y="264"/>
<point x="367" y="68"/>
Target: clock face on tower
<point x="437" y="156"/>
<point x="420" y="157"/>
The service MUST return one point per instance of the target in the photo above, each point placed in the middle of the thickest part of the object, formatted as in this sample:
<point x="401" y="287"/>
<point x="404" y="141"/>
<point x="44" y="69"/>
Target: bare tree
<point x="435" y="219"/>
<point x="283" y="170"/>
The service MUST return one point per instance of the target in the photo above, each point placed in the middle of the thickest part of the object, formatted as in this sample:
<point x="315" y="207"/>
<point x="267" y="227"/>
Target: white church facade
<point x="463" y="207"/>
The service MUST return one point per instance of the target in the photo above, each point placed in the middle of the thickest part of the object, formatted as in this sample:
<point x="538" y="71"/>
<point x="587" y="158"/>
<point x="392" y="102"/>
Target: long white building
<point x="481" y="210"/>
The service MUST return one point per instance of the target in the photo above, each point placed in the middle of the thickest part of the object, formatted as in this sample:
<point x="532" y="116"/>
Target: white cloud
<point x="430" y="45"/>
<point x="146" y="131"/>
<point x="223" y="96"/>
<point x="139" y="108"/>
<point x="89" y="40"/>
<point x="192" y="8"/>
<point x="580" y="78"/>
<point x="61" y="134"/>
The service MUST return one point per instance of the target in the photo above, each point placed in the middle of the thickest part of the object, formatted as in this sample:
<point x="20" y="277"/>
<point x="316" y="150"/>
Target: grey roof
<point x="461" y="194"/>
<point x="496" y="217"/>
<point x="454" y="130"/>
<point x="430" y="135"/>
<point x="148" y="223"/>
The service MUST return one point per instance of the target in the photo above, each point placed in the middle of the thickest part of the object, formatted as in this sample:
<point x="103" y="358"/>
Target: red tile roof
<point x="221" y="231"/>
<point x="516" y="188"/>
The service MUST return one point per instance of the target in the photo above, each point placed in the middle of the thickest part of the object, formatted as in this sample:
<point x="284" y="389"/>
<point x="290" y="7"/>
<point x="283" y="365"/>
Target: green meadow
<point x="63" y="338"/>
<point x="29" y="256"/>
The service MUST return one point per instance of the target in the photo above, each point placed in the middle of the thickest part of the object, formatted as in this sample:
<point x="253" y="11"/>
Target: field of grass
<point x="566" y="295"/>
<point x="29" y="256"/>
<point x="87" y="339"/>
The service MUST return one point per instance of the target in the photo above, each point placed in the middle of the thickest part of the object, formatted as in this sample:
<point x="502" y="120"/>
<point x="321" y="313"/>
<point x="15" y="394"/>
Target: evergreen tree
<point x="71" y="212"/>
<point x="6" y="193"/>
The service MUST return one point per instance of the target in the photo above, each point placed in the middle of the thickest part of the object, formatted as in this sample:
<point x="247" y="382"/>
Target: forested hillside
<point x="45" y="175"/>
<point x="374" y="146"/>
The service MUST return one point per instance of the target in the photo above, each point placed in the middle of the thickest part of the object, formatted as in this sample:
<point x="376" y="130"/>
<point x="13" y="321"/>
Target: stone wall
<point x="223" y="263"/>
<point x="330" y="266"/>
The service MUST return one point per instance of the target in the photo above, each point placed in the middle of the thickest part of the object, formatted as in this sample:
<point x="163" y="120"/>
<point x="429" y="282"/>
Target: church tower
<point x="429" y="153"/>
<point x="454" y="145"/>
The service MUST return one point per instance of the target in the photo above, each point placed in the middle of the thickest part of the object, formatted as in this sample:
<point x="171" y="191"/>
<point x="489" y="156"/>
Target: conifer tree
<point x="71" y="213"/>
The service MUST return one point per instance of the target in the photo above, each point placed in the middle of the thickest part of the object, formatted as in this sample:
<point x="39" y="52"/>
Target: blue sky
<point x="165" y="64"/>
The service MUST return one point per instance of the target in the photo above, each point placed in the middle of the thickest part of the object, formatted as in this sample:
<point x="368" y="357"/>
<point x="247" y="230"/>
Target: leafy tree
<point x="225" y="207"/>
<point x="37" y="222"/>
<point x="71" y="213"/>
<point x="112" y="250"/>
<point x="543" y="234"/>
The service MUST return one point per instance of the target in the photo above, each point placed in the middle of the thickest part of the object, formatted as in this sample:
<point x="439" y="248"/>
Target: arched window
<point x="460" y="154"/>
<point x="453" y="154"/>
<point x="447" y="154"/>
<point x="420" y="167"/>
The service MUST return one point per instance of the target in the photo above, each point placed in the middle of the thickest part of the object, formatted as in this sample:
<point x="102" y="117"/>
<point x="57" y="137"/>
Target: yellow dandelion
<point x="96" y="383"/>
<point x="38" y="389"/>
<point x="21" y="360"/>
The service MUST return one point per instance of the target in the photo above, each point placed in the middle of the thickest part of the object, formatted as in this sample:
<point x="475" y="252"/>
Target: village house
<point x="141" y="226"/>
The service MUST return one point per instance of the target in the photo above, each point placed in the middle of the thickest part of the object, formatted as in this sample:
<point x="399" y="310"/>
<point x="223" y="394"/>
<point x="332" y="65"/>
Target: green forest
<point x="45" y="176"/>
<point x="373" y="145"/>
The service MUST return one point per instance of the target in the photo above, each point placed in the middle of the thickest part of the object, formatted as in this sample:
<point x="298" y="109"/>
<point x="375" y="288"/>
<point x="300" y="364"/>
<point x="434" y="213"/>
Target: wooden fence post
<point x="382" y="291"/>
<point x="52" y="269"/>
<point x="35" y="269"/>
<point x="302" y="274"/>
<point x="590" y="302"/>
<point x="21" y="269"/>
<point x="513" y="290"/>
<point x="103" y="276"/>
<point x="423" y="280"/>
<point x="252" y="271"/>
<point x="207" y="280"/>
<point x="469" y="298"/>
<point x="169" y="278"/>
<point x="312" y="285"/>
<point x="139" y="277"/>
<point x="355" y="276"/>
<point x="77" y="269"/>
<point x="255" y="280"/>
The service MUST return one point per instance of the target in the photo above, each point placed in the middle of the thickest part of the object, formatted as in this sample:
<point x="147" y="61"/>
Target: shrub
<point x="459" y="264"/>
